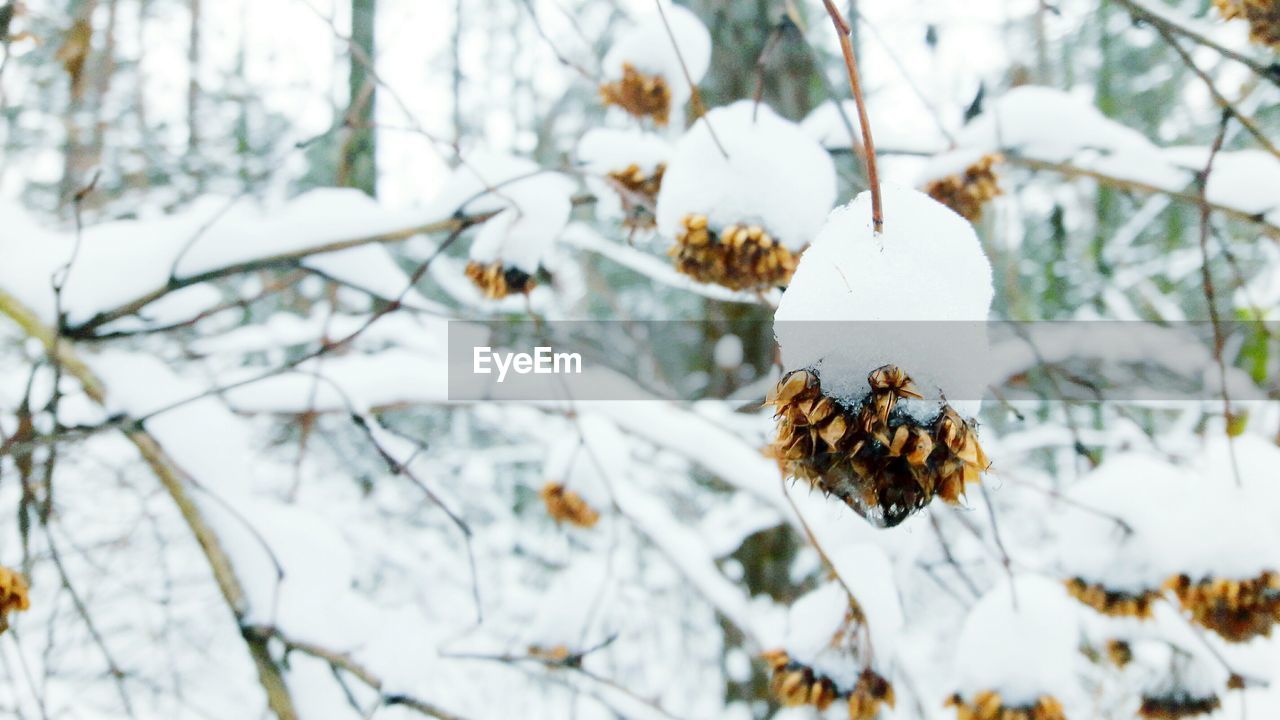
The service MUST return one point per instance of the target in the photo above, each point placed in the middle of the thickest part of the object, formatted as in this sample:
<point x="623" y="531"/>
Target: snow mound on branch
<point x="1181" y="523"/>
<point x="858" y="299"/>
<point x="647" y="46"/>
<point x="775" y="176"/>
<point x="532" y="206"/>
<point x="1241" y="179"/>
<point x="1021" y="640"/>
<point x="604" y="150"/>
<point x="1050" y="125"/>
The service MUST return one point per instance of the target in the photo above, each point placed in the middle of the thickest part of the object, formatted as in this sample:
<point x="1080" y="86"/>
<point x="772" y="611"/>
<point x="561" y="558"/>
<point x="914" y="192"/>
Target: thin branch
<point x="173" y="478"/>
<point x="695" y="97"/>
<point x="1144" y="14"/>
<point x="843" y="30"/>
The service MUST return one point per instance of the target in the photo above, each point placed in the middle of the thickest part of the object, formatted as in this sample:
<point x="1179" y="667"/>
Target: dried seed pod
<point x="870" y="693"/>
<point x="987" y="705"/>
<point x="968" y="191"/>
<point x="568" y="506"/>
<point x="1113" y="603"/>
<point x="13" y="595"/>
<point x="497" y="281"/>
<point x="554" y="653"/>
<point x="793" y="683"/>
<point x="737" y="257"/>
<point x="1237" y="610"/>
<point x="883" y="463"/>
<point x="1119" y="653"/>
<point x="639" y="194"/>
<point x="1176" y="707"/>
<point x="1263" y="17"/>
<point x="641" y="95"/>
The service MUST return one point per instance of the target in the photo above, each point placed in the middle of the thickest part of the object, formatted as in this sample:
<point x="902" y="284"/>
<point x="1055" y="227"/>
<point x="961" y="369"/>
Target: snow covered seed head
<point x="565" y="505"/>
<point x="1237" y="610"/>
<point x="823" y="658"/>
<point x="967" y="191"/>
<point x="863" y="415"/>
<point x="1263" y="17"/>
<point x="643" y="70"/>
<point x="1018" y="651"/>
<point x="527" y="207"/>
<point x="13" y="595"/>
<point x="626" y="169"/>
<point x="1177" y="707"/>
<point x="987" y="705"/>
<point x="740" y="220"/>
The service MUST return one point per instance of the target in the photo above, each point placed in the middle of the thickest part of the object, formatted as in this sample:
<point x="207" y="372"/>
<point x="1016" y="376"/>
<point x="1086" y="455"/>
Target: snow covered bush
<point x="955" y="401"/>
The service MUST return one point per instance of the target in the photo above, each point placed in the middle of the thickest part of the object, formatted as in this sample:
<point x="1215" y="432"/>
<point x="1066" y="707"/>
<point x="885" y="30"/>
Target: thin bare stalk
<point x="843" y="30"/>
<point x="698" y="109"/>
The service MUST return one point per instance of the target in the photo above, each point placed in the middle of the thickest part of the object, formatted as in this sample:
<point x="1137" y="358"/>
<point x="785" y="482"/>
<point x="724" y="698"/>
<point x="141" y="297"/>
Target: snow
<point x="1181" y="524"/>
<point x="648" y="47"/>
<point x="120" y="261"/>
<point x="814" y="622"/>
<point x="1021" y="640"/>
<point x="909" y="132"/>
<point x="532" y="206"/>
<point x="605" y="150"/>
<point x="1050" y="125"/>
<point x="775" y="176"/>
<point x="1241" y="179"/>
<point x="858" y="299"/>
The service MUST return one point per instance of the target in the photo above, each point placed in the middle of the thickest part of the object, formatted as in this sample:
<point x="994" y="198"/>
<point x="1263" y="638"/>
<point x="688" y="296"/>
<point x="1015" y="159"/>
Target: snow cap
<point x="648" y="48"/>
<point x="927" y="265"/>
<point x="1021" y="640"/>
<point x="532" y="207"/>
<point x="775" y="176"/>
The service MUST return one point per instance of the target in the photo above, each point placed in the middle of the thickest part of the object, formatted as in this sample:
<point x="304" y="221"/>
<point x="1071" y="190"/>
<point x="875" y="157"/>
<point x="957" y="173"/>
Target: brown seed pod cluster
<point x="1263" y="17"/>
<point x="1119" y="653"/>
<point x="739" y="257"/>
<point x="967" y="192"/>
<point x="639" y="193"/>
<point x="987" y="705"/>
<point x="554" y="653"/>
<point x="1237" y="610"/>
<point x="567" y="506"/>
<point x="13" y="595"/>
<point x="1176" y="707"/>
<point x="639" y="94"/>
<point x="871" y="692"/>
<point x="794" y="684"/>
<point x="1114" y="603"/>
<point x="497" y="281"/>
<point x="883" y="464"/>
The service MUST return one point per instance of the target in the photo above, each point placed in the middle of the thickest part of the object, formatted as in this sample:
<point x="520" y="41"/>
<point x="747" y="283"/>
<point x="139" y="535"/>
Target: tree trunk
<point x="358" y="167"/>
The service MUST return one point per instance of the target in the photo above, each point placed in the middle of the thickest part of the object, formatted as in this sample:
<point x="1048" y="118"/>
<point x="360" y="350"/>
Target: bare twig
<point x="696" y="98"/>
<point x="855" y="84"/>
<point x="1210" y="295"/>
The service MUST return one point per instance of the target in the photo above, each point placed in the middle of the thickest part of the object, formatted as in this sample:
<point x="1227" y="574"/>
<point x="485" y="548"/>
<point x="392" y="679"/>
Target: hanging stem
<point x="843" y="30"/>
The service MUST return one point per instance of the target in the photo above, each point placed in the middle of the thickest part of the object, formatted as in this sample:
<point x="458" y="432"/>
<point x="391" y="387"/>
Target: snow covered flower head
<point x="643" y="72"/>
<point x="863" y="414"/>
<point x="529" y="206"/>
<point x="626" y="169"/>
<point x="826" y="655"/>
<point x="741" y="220"/>
<point x="1017" y="656"/>
<point x="1205" y="541"/>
